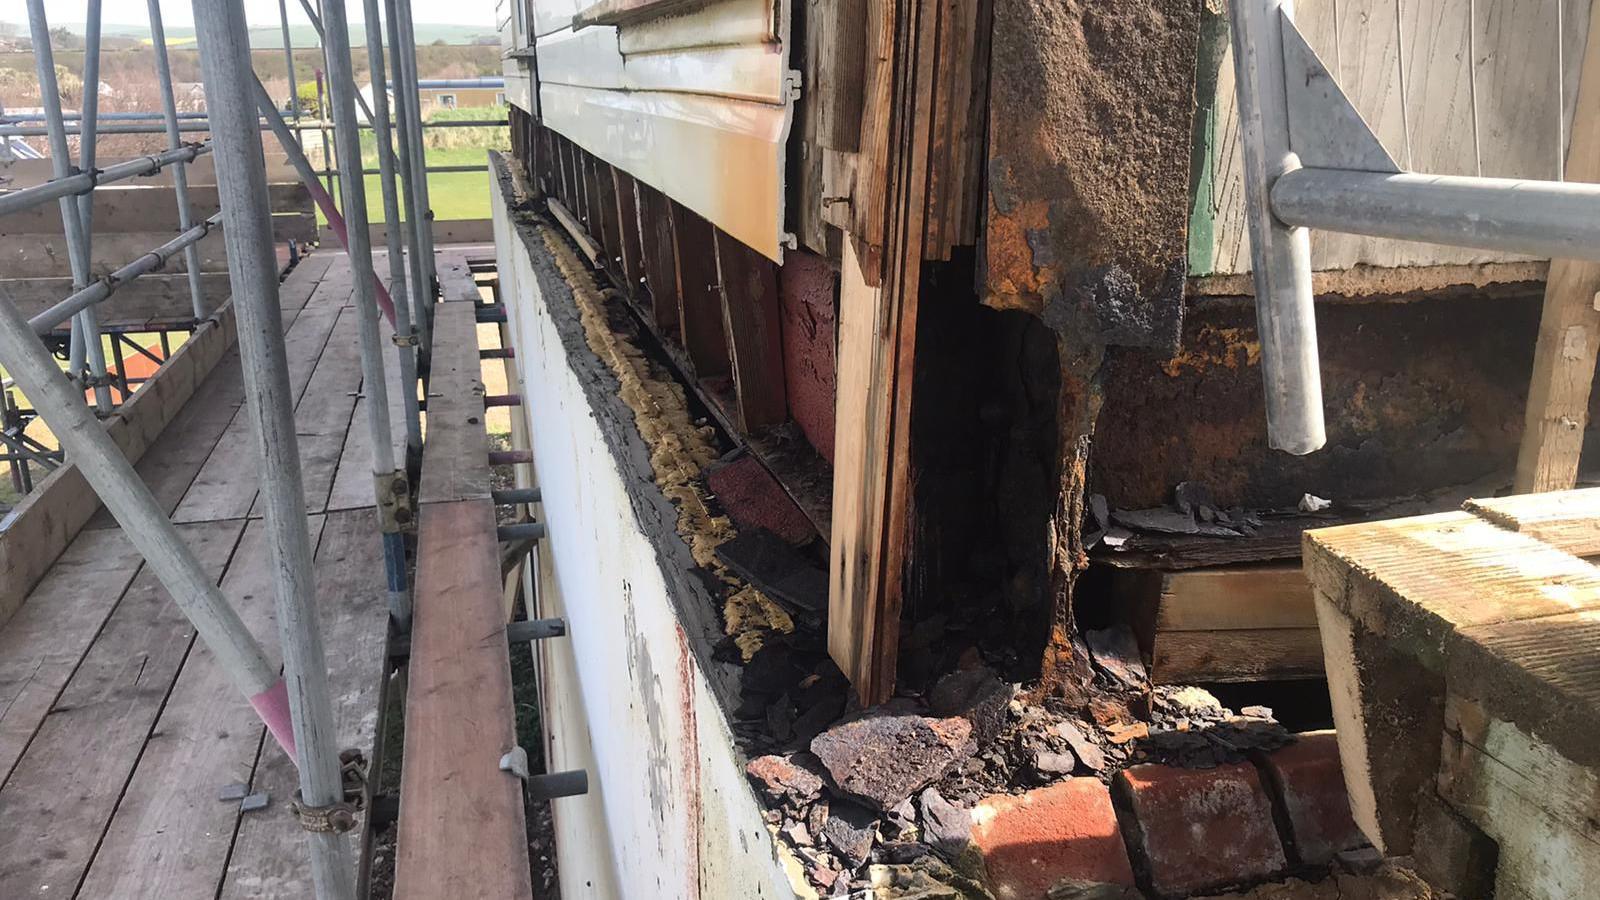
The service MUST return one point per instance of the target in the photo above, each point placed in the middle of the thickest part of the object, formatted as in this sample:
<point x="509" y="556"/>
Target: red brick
<point x="753" y="498"/>
<point x="806" y="292"/>
<point x="1201" y="828"/>
<point x="1032" y="841"/>
<point x="1307" y="775"/>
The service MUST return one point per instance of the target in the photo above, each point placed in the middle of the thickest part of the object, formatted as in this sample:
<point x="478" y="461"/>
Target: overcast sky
<point x="261" y="13"/>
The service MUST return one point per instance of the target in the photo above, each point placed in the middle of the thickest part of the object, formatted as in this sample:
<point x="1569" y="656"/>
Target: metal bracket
<point x="1325" y="130"/>
<point x="338" y="817"/>
<point x="394" y="501"/>
<point x="404" y="340"/>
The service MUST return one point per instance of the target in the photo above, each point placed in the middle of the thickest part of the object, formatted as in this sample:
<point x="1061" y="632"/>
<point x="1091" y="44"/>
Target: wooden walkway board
<point x="117" y="729"/>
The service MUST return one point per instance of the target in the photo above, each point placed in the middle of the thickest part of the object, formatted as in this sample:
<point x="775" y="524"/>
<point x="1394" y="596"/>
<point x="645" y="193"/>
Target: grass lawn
<point x="453" y="195"/>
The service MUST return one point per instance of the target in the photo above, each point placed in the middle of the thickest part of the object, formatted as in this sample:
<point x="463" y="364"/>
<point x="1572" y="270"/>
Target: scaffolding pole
<point x="405" y="342"/>
<point x="288" y="58"/>
<point x="391" y="492"/>
<point x="223" y="36"/>
<point x="180" y="177"/>
<point x="422" y="211"/>
<point x="85" y="343"/>
<point x="408" y="178"/>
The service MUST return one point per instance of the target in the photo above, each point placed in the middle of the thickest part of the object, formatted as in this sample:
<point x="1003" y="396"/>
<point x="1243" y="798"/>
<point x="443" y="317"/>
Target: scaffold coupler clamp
<point x="338" y="817"/>
<point x="394" y="502"/>
<point x="404" y="340"/>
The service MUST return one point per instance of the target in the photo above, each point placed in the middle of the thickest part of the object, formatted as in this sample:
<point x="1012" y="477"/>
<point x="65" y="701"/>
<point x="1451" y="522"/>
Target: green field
<point x="453" y="195"/>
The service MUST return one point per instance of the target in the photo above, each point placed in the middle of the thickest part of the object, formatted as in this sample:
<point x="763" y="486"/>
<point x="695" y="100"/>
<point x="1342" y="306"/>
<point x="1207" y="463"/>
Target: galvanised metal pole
<point x="94" y="349"/>
<point x="288" y="58"/>
<point x="61" y="167"/>
<point x="1280" y="254"/>
<point x="1558" y="219"/>
<point x="149" y="530"/>
<point x="180" y="178"/>
<point x="404" y="340"/>
<point x="308" y="176"/>
<point x="408" y="177"/>
<point x="55" y="189"/>
<point x="223" y="37"/>
<point x="390" y="491"/>
<point x="423" y="214"/>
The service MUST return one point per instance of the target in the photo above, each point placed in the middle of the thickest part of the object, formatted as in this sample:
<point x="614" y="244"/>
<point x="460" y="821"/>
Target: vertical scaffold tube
<point x="420" y="292"/>
<point x="1280" y="255"/>
<point x="180" y="178"/>
<point x="223" y="37"/>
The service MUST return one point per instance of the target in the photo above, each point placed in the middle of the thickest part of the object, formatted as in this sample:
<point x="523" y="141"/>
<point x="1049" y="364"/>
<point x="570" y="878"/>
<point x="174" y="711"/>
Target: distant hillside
<point x="266" y="38"/>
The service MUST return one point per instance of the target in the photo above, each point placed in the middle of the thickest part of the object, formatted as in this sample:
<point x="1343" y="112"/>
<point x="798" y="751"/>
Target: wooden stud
<point x="608" y="227"/>
<point x="699" y="300"/>
<point x="751" y="315"/>
<point x="1569" y="328"/>
<point x="628" y="231"/>
<point x="660" y="271"/>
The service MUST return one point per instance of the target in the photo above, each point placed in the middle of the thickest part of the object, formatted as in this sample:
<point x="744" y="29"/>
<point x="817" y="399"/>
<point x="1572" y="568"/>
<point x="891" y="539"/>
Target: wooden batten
<point x="699" y="299"/>
<point x="660" y="266"/>
<point x="751" y="318"/>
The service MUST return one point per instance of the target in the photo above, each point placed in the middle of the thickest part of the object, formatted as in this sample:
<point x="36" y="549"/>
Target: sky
<point x="261" y="13"/>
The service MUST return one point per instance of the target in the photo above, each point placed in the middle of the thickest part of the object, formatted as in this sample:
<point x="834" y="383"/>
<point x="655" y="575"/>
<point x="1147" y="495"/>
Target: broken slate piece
<point x="1054" y="763"/>
<point x="881" y="759"/>
<point x="234" y="791"/>
<point x="1160" y="520"/>
<point x="780" y="776"/>
<point x="851" y="829"/>
<point x="977" y="695"/>
<point x="253" y="802"/>
<point x="1190" y="497"/>
<point x="1100" y="510"/>
<point x="1084" y="749"/>
<point x="945" y="826"/>
<point x="1116" y="652"/>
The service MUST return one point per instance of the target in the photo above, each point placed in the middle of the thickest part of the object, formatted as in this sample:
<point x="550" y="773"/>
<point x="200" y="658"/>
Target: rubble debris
<point x="1116" y="652"/>
<point x="977" y="695"/>
<point x="928" y="878"/>
<point x="782" y="778"/>
<point x="1311" y="503"/>
<point x="1389" y="882"/>
<point x="1084" y="749"/>
<point x="945" y="826"/>
<point x="1073" y="889"/>
<point x="1066" y="831"/>
<point x="779" y="570"/>
<point x="882" y="758"/>
<point x="1186" y="818"/>
<point x="852" y="830"/>
<point x="1047" y="763"/>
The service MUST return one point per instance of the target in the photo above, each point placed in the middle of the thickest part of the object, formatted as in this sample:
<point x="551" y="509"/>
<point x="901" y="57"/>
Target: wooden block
<point x="1239" y="654"/>
<point x="1233" y="597"/>
<point x="699" y="297"/>
<point x="461" y="829"/>
<point x="608" y="224"/>
<point x="752" y="317"/>
<point x="1566" y="520"/>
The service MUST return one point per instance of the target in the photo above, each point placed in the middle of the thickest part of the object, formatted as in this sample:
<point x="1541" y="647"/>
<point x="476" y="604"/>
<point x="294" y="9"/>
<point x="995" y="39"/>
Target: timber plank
<point x="1240" y="654"/>
<point x="45" y="255"/>
<point x="152" y="296"/>
<point x="461" y="830"/>
<point x="268" y="859"/>
<point x="64" y="789"/>
<point x="123" y="208"/>
<point x="1566" y="520"/>
<point x="225" y="487"/>
<point x="48" y="518"/>
<point x="455" y="453"/>
<point x="42" y="644"/>
<point x="660" y="269"/>
<point x="1242" y="597"/>
<point x="628" y="231"/>
<point x="752" y="319"/>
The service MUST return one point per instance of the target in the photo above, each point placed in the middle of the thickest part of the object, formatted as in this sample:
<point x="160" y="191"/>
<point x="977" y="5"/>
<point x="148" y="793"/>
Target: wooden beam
<point x="608" y="225"/>
<point x="700" y="303"/>
<point x="752" y="319"/>
<point x="1569" y="328"/>
<point x="45" y="255"/>
<point x="660" y="269"/>
<point x="456" y="454"/>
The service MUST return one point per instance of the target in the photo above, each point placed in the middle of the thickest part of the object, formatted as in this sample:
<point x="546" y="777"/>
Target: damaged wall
<point x="669" y="805"/>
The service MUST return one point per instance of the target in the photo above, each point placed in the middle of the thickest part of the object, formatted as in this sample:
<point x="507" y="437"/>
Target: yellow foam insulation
<point x="680" y="451"/>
